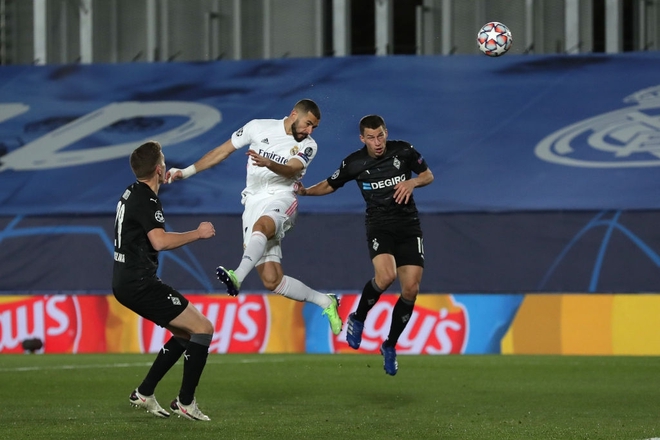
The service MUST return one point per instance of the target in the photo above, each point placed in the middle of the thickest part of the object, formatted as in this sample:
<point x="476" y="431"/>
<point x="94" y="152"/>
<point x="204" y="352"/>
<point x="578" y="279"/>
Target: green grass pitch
<point x="338" y="397"/>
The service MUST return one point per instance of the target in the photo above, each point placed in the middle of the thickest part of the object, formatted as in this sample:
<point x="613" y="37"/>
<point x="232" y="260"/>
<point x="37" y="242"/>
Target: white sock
<point x="254" y="250"/>
<point x="297" y="291"/>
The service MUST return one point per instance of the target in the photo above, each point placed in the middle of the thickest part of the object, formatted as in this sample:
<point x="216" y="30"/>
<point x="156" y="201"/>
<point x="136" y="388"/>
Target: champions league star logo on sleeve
<point x="626" y="138"/>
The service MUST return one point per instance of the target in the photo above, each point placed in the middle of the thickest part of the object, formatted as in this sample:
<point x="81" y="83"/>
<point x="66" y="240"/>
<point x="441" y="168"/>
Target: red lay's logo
<point x="240" y="324"/>
<point x="64" y="323"/>
<point x="438" y="325"/>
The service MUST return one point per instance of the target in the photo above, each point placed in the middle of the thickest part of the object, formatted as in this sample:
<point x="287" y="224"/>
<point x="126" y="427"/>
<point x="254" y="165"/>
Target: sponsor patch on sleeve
<point x="307" y="154"/>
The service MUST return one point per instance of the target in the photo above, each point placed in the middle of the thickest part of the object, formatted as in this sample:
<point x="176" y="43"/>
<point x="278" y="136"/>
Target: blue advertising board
<point x="545" y="167"/>
<point x="508" y="134"/>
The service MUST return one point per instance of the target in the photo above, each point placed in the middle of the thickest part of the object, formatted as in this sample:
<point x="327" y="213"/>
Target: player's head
<point x="304" y="118"/>
<point x="373" y="133"/>
<point x="147" y="160"/>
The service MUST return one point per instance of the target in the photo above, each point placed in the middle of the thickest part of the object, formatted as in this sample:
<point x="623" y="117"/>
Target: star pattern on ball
<point x="492" y="34"/>
<point x="494" y="39"/>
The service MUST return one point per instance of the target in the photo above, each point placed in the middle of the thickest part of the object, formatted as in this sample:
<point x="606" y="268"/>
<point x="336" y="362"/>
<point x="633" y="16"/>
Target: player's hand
<point x="403" y="191"/>
<point x="299" y="188"/>
<point x="205" y="230"/>
<point x="258" y="159"/>
<point x="173" y="174"/>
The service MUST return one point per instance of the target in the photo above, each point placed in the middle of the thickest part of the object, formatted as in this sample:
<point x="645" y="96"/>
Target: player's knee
<point x="271" y="283"/>
<point x="410" y="291"/>
<point x="204" y="326"/>
<point x="385" y="280"/>
<point x="410" y="296"/>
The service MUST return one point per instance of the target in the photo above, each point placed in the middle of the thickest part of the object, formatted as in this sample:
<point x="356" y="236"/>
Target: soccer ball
<point x="494" y="39"/>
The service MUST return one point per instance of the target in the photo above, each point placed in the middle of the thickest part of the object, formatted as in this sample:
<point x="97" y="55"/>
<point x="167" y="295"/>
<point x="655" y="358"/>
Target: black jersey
<point x="377" y="177"/>
<point x="139" y="211"/>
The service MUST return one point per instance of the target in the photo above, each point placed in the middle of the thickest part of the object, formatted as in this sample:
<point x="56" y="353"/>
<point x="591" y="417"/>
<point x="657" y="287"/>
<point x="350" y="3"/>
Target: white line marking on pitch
<point x="126" y="365"/>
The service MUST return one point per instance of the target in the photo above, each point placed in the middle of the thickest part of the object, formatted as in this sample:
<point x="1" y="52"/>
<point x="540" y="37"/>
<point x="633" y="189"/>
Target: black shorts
<point x="404" y="243"/>
<point x="152" y="300"/>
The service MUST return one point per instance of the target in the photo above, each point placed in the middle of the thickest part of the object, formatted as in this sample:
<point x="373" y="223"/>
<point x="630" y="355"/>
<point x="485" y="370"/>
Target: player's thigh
<point x="266" y="225"/>
<point x="410" y="277"/>
<point x="381" y="239"/>
<point x="192" y="321"/>
<point x="409" y="248"/>
<point x="251" y="214"/>
<point x="281" y="209"/>
<point x="153" y="300"/>
<point x="409" y="256"/>
<point x="384" y="270"/>
<point x="382" y="244"/>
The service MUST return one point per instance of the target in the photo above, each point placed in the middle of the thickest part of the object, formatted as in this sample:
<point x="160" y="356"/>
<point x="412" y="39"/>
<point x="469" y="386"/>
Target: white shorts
<point x="282" y="208"/>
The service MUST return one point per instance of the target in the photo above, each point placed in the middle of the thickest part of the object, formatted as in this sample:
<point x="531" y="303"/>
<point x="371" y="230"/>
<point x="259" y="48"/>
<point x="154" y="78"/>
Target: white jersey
<point x="269" y="139"/>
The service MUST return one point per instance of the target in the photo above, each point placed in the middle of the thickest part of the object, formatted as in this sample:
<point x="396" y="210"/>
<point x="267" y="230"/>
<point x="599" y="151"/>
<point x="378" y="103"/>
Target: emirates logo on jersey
<point x="272" y="156"/>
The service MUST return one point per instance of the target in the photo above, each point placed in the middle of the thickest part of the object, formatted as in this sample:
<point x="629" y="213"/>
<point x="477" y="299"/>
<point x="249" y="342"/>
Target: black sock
<point x="400" y="316"/>
<point x="369" y="298"/>
<point x="193" y="364"/>
<point x="167" y="357"/>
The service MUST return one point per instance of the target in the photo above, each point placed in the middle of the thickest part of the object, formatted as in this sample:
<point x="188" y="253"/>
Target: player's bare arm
<point x="162" y="240"/>
<point x="320" y="189"/>
<point x="403" y="190"/>
<point x="291" y="169"/>
<point x="210" y="159"/>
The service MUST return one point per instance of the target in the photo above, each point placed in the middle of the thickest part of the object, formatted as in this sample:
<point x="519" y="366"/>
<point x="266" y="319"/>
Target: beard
<point x="299" y="137"/>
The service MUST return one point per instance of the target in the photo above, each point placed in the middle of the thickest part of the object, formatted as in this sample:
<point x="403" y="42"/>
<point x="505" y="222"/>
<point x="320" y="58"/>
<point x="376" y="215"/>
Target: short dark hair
<point x="145" y="158"/>
<point x="305" y="106"/>
<point x="371" y="121"/>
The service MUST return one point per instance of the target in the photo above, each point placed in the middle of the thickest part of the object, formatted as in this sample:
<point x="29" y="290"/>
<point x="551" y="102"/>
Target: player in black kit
<point x="382" y="170"/>
<point x="139" y="236"/>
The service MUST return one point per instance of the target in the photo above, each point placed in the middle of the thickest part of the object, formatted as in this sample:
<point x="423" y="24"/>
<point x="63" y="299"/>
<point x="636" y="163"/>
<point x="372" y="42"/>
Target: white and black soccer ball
<point x="494" y="39"/>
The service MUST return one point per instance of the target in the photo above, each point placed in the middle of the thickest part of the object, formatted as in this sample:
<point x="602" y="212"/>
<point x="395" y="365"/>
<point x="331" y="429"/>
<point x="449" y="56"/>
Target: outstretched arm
<point x="210" y="159"/>
<point x="162" y="240"/>
<point x="320" y="189"/>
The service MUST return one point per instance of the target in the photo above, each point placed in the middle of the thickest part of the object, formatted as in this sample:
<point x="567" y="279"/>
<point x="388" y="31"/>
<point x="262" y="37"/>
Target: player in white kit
<point x="279" y="150"/>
